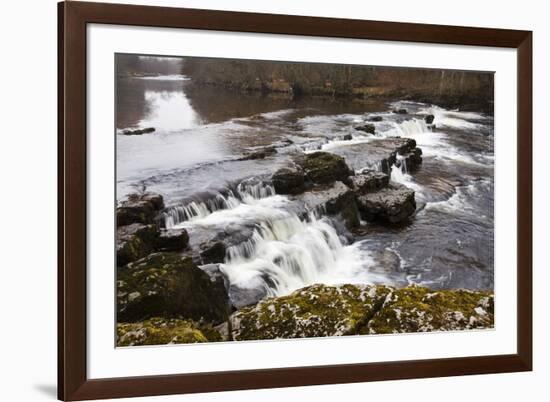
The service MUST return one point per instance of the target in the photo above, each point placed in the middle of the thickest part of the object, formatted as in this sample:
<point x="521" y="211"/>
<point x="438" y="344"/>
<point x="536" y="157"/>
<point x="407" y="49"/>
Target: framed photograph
<point x="253" y="201"/>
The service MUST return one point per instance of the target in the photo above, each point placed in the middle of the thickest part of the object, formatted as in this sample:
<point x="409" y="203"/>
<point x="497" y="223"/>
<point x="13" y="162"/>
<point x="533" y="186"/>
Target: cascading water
<point x="287" y="253"/>
<point x="245" y="192"/>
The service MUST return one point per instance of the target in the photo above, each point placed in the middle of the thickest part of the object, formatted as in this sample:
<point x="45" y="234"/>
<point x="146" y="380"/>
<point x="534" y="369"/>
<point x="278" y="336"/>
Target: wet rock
<point x="347" y="137"/>
<point x="367" y="128"/>
<point x="134" y="242"/>
<point x="374" y="118"/>
<point x="324" y="167"/>
<point x="139" y="208"/>
<point x="400" y="111"/>
<point x="379" y="154"/>
<point x="167" y="285"/>
<point x="213" y="252"/>
<point x="172" y="240"/>
<point x="393" y="204"/>
<point x="429" y="119"/>
<point x="259" y="154"/>
<point x="215" y="274"/>
<point x="411" y="160"/>
<point x="336" y="199"/>
<point x="289" y="180"/>
<point x="244" y="297"/>
<point x="163" y="331"/>
<point x="321" y="310"/>
<point x="139" y="131"/>
<point x="368" y="181"/>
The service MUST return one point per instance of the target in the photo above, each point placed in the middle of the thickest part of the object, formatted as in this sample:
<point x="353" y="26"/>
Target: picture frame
<point x="73" y="380"/>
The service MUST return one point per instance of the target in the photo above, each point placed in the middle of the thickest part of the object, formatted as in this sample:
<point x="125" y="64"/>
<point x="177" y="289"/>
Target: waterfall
<point x="245" y="192"/>
<point x="410" y="128"/>
<point x="287" y="253"/>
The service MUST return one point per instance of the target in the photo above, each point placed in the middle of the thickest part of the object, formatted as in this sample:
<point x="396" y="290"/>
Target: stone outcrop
<point x="167" y="285"/>
<point x="392" y="204"/>
<point x="134" y="242"/>
<point x="289" y="180"/>
<point x="321" y="310"/>
<point x="139" y="208"/>
<point x="334" y="199"/>
<point x="368" y="181"/>
<point x="324" y="167"/>
<point x="162" y="331"/>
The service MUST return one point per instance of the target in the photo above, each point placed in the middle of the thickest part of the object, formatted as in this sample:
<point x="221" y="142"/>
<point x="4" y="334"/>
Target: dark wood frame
<point x="73" y="383"/>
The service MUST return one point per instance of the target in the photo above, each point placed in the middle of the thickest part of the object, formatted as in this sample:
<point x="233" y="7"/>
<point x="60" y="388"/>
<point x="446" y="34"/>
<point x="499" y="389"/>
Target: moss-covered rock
<point x="314" y="311"/>
<point x="419" y="309"/>
<point x="324" y="167"/>
<point x="139" y="208"/>
<point x="321" y="310"/>
<point x="135" y="241"/>
<point x="162" y="331"/>
<point x="168" y="285"/>
<point x="172" y="240"/>
<point x="288" y="180"/>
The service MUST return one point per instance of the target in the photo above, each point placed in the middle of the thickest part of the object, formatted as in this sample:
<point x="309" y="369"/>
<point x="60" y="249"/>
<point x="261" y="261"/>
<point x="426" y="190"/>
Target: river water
<point x="194" y="159"/>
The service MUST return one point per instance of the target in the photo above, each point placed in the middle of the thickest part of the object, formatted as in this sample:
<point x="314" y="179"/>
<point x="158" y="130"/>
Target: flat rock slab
<point x="393" y="204"/>
<point x="378" y="154"/>
<point x="335" y="199"/>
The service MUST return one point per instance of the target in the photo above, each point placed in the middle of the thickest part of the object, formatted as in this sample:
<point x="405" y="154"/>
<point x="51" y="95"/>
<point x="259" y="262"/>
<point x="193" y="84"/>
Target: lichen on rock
<point x="162" y="331"/>
<point x="321" y="310"/>
<point x="419" y="309"/>
<point x="314" y="311"/>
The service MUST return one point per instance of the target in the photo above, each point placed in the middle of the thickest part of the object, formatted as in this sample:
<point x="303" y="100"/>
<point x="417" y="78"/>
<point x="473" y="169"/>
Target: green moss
<point x="159" y="331"/>
<point x="317" y="310"/>
<point x="167" y="285"/>
<point x="321" y="310"/>
<point x="324" y="167"/>
<point x="418" y="309"/>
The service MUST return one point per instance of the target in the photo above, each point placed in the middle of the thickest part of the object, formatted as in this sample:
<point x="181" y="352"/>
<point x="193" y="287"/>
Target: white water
<point x="246" y="193"/>
<point x="291" y="254"/>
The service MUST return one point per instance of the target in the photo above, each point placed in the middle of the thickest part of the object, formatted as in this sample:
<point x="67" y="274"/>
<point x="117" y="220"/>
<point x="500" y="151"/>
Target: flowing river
<point x="194" y="159"/>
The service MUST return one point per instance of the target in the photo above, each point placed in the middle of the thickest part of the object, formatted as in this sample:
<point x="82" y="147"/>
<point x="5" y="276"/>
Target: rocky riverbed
<point x="300" y="221"/>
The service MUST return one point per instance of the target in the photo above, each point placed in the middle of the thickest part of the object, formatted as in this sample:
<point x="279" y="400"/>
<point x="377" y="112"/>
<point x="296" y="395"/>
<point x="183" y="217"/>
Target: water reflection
<point x="168" y="111"/>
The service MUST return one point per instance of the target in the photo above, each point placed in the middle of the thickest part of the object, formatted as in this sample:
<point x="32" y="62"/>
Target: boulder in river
<point x="213" y="252"/>
<point x="167" y="285"/>
<point x="412" y="160"/>
<point x="288" y="180"/>
<point x="368" y="181"/>
<point x="321" y="310"/>
<point x="139" y="208"/>
<point x="367" y="128"/>
<point x="336" y="199"/>
<point x="139" y="131"/>
<point x="324" y="167"/>
<point x="259" y="154"/>
<point x="172" y="240"/>
<point x="134" y="242"/>
<point x="429" y="119"/>
<point x="400" y="111"/>
<point x="393" y="204"/>
<point x="374" y="118"/>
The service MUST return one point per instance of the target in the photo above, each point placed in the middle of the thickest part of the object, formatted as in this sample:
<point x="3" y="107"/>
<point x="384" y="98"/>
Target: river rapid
<point x="195" y="160"/>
